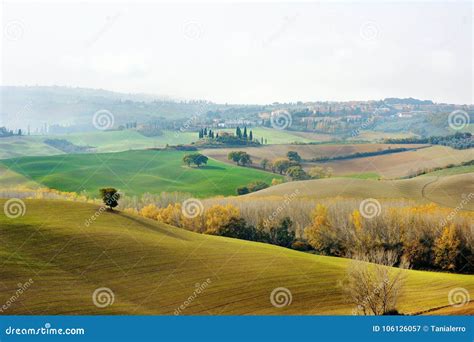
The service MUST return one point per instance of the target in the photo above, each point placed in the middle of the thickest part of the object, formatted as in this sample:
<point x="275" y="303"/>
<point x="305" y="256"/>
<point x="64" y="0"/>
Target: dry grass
<point x="401" y="164"/>
<point x="305" y="151"/>
<point x="154" y="268"/>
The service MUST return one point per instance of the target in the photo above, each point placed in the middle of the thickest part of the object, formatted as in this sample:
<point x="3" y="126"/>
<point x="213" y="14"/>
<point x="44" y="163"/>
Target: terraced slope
<point x="154" y="269"/>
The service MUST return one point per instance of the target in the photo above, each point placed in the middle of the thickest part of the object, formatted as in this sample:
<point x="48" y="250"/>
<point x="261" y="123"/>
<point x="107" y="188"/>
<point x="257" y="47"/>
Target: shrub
<point x="300" y="245"/>
<point x="242" y="190"/>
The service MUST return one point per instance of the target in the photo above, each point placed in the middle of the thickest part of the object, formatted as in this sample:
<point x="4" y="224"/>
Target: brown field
<point x="305" y="151"/>
<point x="448" y="191"/>
<point x="400" y="164"/>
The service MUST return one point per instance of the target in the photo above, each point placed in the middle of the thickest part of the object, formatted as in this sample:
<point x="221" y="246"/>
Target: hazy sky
<point x="245" y="53"/>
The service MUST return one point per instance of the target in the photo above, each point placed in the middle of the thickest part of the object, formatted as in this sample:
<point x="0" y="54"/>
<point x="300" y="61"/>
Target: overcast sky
<point x="245" y="53"/>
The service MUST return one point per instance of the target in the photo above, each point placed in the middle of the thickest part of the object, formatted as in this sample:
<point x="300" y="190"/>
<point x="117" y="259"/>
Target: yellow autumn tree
<point x="170" y="215"/>
<point x="356" y="219"/>
<point x="445" y="249"/>
<point x="218" y="216"/>
<point x="321" y="235"/>
<point x="149" y="211"/>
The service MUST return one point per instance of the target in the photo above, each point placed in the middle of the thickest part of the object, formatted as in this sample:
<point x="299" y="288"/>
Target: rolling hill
<point x="134" y="173"/>
<point x="152" y="268"/>
<point x="307" y="152"/>
<point x="401" y="164"/>
<point x="99" y="141"/>
<point x="447" y="191"/>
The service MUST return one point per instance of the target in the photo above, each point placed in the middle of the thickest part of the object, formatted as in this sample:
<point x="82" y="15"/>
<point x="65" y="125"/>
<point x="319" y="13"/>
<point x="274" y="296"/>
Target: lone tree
<point x="110" y="197"/>
<point x="195" y="158"/>
<point x="373" y="285"/>
<point x="264" y="163"/>
<point x="240" y="157"/>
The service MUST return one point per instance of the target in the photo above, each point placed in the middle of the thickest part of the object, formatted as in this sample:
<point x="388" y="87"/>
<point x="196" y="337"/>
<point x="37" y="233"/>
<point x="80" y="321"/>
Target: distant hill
<point x="36" y="106"/>
<point x="407" y="101"/>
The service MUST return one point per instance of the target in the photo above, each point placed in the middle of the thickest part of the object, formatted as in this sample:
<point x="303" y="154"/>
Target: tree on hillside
<point x="244" y="136"/>
<point x="250" y="136"/>
<point x="238" y="132"/>
<point x="195" y="158"/>
<point x="110" y="197"/>
<point x="282" y="234"/>
<point x="264" y="163"/>
<point x="297" y="173"/>
<point x="240" y="157"/>
<point x="293" y="156"/>
<point x="446" y="249"/>
<point x="234" y="156"/>
<point x="373" y="285"/>
<point x="245" y="159"/>
<point x="318" y="172"/>
<point x="281" y="165"/>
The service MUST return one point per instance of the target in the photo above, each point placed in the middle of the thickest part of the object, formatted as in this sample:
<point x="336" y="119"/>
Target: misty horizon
<point x="246" y="53"/>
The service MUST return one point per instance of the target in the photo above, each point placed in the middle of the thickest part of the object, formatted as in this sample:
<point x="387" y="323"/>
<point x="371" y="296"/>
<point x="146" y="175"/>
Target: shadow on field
<point x="144" y="223"/>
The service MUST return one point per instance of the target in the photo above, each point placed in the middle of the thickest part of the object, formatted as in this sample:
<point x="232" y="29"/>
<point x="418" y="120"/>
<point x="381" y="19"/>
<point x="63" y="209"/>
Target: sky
<point x="244" y="52"/>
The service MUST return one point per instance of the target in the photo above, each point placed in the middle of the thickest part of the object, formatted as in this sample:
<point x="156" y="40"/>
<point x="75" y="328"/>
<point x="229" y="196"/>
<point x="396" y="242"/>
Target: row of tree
<point x="289" y="166"/>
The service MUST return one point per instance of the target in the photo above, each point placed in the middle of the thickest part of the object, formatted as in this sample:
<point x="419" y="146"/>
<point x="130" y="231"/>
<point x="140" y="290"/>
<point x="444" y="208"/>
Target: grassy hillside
<point x="448" y="191"/>
<point x="13" y="147"/>
<point x="115" y="141"/>
<point x="153" y="269"/>
<point x="109" y="141"/>
<point x="134" y="173"/>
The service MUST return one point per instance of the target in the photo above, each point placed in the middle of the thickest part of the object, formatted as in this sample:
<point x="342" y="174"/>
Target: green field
<point x="135" y="173"/>
<point x="116" y="141"/>
<point x="152" y="268"/>
<point x="108" y="141"/>
<point x="13" y="147"/>
<point x="452" y="171"/>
